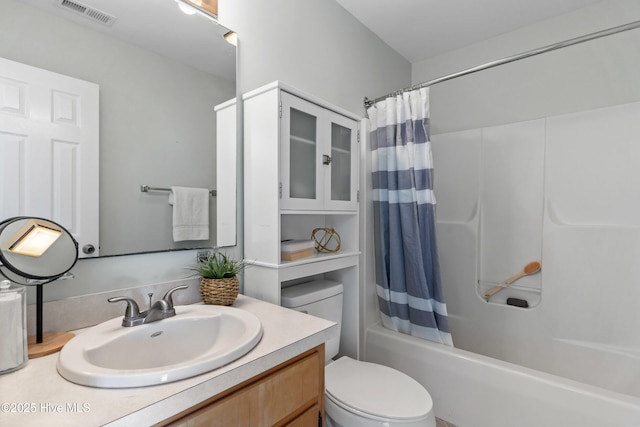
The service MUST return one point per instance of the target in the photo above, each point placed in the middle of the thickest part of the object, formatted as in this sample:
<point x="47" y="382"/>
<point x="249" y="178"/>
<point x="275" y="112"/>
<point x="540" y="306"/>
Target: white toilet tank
<point x="320" y="298"/>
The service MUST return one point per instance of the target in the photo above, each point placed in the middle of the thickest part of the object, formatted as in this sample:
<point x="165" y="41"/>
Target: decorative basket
<point x="219" y="291"/>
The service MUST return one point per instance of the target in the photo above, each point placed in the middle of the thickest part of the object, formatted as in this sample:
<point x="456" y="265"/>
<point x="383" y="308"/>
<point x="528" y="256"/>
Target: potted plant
<point x="219" y="282"/>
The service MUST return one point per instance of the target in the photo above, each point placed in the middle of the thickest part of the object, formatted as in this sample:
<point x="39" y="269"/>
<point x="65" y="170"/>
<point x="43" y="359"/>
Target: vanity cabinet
<point x="301" y="172"/>
<point x="291" y="394"/>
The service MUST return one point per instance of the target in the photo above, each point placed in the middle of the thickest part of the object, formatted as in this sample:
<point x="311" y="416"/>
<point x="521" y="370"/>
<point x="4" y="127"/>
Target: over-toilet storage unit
<point x="301" y="173"/>
<point x="301" y="158"/>
<point x="359" y="394"/>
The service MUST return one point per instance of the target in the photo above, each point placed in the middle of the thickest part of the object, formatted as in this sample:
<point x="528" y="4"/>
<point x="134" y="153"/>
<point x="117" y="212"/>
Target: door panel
<point x="49" y="126"/>
<point x="302" y="132"/>
<point x="341" y="182"/>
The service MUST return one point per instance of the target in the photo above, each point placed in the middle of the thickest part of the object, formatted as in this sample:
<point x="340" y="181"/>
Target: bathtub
<point x="471" y="390"/>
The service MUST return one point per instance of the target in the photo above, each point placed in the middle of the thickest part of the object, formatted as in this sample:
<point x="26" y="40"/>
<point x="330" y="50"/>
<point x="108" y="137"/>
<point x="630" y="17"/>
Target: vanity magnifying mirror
<point x="33" y="252"/>
<point x="160" y="74"/>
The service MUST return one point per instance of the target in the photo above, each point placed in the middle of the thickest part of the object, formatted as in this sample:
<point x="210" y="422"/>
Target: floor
<point x="443" y="423"/>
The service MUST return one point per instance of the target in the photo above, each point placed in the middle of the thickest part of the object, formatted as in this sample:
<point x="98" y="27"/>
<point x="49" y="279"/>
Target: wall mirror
<point x="160" y="73"/>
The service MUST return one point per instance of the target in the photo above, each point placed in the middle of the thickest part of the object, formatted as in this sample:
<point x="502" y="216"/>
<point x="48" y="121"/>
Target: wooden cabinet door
<point x="308" y="419"/>
<point x="292" y="395"/>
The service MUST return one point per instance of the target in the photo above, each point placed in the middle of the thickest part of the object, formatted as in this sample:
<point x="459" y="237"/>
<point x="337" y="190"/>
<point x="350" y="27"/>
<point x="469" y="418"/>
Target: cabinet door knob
<point x="326" y="160"/>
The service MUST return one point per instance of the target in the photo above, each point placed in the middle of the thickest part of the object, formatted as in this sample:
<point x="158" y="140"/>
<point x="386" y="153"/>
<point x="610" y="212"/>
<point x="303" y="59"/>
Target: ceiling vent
<point x="87" y="11"/>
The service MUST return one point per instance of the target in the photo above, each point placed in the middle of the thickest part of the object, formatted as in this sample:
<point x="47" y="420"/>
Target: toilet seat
<point x="376" y="391"/>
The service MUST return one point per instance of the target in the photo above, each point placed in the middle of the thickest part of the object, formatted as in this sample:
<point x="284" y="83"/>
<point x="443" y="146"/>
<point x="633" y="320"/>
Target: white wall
<point x="561" y="190"/>
<point x="590" y="75"/>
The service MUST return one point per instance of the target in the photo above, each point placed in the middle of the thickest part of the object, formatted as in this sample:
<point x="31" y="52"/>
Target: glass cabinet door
<point x="340" y="182"/>
<point x="303" y="146"/>
<point x="341" y="162"/>
<point x="300" y="154"/>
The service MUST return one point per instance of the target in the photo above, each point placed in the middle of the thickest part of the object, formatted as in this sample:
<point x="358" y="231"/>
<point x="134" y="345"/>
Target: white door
<point x="49" y="149"/>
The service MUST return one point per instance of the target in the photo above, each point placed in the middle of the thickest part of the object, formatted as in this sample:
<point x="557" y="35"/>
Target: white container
<point x="13" y="327"/>
<point x="291" y="250"/>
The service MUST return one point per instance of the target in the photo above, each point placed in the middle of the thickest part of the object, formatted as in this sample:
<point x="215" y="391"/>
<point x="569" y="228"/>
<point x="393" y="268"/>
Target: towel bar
<point x="146" y="188"/>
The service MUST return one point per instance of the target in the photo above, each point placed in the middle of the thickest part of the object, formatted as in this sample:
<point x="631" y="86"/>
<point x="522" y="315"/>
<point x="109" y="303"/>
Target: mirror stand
<point x="44" y="344"/>
<point x="28" y="264"/>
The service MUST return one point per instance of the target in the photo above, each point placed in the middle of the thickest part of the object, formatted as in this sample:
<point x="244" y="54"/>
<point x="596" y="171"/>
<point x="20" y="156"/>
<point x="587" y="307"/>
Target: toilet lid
<point x="377" y="390"/>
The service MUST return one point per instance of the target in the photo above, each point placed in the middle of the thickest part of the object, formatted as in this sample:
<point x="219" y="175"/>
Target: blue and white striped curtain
<point x="407" y="270"/>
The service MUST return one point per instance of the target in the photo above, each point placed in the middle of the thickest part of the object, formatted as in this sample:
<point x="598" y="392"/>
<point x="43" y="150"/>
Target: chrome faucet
<point x="161" y="309"/>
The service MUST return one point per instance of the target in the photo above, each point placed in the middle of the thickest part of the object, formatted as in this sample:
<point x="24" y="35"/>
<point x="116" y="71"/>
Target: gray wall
<point x="157" y="124"/>
<point x="315" y="46"/>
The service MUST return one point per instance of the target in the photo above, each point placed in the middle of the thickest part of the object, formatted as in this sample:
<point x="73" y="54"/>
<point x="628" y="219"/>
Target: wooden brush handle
<point x="516" y="277"/>
<point x="493" y="291"/>
<point x="531" y="268"/>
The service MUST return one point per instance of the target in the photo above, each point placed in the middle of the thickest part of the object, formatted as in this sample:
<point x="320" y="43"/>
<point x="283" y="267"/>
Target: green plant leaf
<point x="218" y="266"/>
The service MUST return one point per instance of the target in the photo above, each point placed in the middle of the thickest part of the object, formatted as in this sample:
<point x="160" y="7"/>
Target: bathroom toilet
<point x="359" y="394"/>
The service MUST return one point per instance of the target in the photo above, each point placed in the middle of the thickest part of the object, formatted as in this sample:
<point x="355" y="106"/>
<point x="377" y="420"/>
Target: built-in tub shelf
<point x="531" y="295"/>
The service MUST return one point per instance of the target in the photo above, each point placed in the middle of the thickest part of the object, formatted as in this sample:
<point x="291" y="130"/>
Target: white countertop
<point x="36" y="395"/>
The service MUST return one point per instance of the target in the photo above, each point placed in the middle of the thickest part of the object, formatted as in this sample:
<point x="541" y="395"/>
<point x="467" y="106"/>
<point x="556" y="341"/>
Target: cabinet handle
<point x="326" y="160"/>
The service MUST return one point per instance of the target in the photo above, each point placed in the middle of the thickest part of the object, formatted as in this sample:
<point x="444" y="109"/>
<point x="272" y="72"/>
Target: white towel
<point x="190" y="213"/>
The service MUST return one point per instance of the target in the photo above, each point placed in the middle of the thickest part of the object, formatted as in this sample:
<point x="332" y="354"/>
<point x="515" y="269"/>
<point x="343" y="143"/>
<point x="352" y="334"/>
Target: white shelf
<point x="318" y="257"/>
<point x="309" y="260"/>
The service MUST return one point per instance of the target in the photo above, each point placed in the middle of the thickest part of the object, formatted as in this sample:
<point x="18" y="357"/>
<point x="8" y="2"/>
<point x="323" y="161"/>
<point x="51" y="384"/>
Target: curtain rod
<point x="592" y="36"/>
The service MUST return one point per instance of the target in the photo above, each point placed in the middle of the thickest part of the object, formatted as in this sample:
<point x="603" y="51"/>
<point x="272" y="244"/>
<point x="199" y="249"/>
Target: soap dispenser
<point x="13" y="327"/>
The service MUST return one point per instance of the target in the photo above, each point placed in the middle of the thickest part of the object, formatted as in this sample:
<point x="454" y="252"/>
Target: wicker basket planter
<point x="219" y="291"/>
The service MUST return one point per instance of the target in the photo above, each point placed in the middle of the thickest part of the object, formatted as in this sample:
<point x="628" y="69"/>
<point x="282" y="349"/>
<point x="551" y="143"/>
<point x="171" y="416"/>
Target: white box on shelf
<point x="291" y="250"/>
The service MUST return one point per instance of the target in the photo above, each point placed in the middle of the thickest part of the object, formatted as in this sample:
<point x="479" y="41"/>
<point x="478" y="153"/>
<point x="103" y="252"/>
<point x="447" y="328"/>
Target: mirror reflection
<point x="35" y="248"/>
<point x="160" y="75"/>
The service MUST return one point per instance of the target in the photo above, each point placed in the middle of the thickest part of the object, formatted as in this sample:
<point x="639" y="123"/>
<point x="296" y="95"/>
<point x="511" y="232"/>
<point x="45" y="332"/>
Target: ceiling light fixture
<point x="187" y="10"/>
<point x="231" y="37"/>
<point x="207" y="8"/>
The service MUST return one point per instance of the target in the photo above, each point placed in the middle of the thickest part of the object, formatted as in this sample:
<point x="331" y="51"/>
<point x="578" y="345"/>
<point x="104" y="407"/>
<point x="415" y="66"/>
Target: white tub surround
<point x="472" y="390"/>
<point x="550" y="190"/>
<point x="40" y="396"/>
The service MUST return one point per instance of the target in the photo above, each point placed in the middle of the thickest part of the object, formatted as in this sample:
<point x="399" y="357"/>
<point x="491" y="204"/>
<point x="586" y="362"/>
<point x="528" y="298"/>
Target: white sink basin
<point x="198" y="339"/>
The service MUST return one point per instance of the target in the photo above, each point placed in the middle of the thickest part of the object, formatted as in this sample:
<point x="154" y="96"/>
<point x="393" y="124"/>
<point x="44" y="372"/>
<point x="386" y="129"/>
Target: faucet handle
<point x="132" y="307"/>
<point x="168" y="296"/>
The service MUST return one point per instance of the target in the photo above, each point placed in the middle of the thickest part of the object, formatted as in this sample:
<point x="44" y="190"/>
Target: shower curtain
<point x="407" y="271"/>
